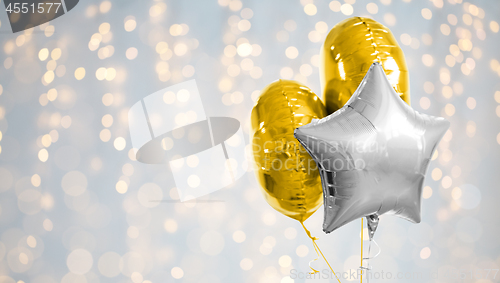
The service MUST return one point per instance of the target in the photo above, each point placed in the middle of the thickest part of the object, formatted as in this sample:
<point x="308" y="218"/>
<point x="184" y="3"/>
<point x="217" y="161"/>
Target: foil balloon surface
<point x="349" y="50"/>
<point x="373" y="154"/>
<point x="288" y="176"/>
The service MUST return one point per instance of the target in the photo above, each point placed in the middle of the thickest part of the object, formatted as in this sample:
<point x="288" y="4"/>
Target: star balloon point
<point x="372" y="154"/>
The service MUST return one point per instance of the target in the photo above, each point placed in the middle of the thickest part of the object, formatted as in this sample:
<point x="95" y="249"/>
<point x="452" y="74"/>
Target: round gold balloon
<point x="350" y="48"/>
<point x="288" y="175"/>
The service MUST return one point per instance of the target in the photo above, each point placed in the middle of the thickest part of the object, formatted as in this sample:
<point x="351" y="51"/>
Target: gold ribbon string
<point x="361" y="280"/>
<point x="318" y="252"/>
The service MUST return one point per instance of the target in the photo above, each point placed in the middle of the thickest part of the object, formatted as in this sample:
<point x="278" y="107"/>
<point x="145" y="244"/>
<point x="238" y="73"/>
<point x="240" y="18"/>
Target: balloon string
<point x="318" y="252"/>
<point x="361" y="279"/>
<point x="313" y="240"/>
<point x="369" y="253"/>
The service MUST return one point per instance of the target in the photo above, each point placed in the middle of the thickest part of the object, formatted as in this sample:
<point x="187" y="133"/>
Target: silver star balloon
<point x="372" y="154"/>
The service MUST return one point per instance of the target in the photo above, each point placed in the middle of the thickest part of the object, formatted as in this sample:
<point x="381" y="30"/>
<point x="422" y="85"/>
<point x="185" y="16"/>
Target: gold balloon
<point x="350" y="48"/>
<point x="288" y="176"/>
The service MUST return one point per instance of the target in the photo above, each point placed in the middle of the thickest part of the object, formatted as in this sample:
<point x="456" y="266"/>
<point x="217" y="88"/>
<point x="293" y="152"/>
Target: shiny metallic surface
<point x="70" y="123"/>
<point x="289" y="183"/>
<point x="373" y="153"/>
<point x="372" y="224"/>
<point x="349" y="49"/>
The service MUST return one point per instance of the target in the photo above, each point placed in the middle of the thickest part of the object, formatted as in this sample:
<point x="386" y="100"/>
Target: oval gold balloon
<point x="350" y="48"/>
<point x="288" y="176"/>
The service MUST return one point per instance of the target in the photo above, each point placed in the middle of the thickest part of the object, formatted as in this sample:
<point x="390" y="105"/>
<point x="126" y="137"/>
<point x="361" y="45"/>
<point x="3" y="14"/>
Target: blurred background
<point x="75" y="206"/>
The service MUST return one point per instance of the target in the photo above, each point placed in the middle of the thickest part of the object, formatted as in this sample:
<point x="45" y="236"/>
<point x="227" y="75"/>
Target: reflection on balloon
<point x="349" y="49"/>
<point x="373" y="154"/>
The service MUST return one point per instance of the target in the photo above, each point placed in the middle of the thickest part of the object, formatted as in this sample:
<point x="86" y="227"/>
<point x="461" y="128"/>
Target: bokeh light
<point x="76" y="206"/>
